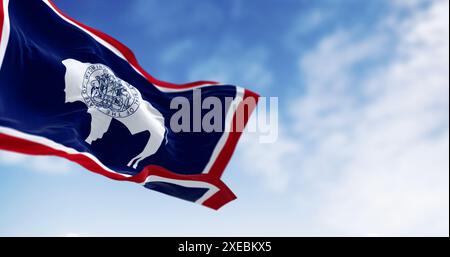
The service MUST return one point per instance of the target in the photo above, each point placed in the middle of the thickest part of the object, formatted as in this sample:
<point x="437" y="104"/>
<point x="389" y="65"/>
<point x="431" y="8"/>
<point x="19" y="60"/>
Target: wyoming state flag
<point x="71" y="91"/>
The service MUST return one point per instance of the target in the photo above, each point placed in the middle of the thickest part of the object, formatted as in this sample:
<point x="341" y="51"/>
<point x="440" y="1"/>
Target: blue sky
<point x="363" y="143"/>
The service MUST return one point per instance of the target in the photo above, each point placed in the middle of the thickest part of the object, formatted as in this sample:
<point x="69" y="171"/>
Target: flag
<point x="71" y="91"/>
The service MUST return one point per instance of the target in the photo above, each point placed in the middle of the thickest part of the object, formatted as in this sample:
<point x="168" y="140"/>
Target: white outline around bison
<point x="137" y="114"/>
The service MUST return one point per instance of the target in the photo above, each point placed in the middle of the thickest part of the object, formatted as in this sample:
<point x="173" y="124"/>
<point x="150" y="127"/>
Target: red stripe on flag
<point x="130" y="57"/>
<point x="224" y="156"/>
<point x="14" y="144"/>
<point x="1" y="19"/>
<point x="223" y="196"/>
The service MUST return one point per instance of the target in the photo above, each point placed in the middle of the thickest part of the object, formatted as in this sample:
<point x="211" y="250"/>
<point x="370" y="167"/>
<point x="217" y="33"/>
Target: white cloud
<point x="43" y="164"/>
<point x="409" y="3"/>
<point x="10" y="158"/>
<point x="387" y="155"/>
<point x="233" y="64"/>
<point x="271" y="162"/>
<point x="370" y="146"/>
<point x="306" y="25"/>
<point x="175" y="51"/>
<point x="71" y="235"/>
<point x="167" y="20"/>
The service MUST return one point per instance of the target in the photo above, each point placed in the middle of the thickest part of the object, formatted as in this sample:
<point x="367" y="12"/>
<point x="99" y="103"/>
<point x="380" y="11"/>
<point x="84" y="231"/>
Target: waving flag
<point x="69" y="90"/>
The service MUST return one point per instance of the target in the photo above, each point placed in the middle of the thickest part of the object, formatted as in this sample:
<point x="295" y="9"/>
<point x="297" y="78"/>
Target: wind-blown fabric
<point x="69" y="90"/>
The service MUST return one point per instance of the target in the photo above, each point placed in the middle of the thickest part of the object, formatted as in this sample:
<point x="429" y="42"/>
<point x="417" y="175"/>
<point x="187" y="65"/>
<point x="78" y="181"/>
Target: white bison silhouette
<point x="108" y="97"/>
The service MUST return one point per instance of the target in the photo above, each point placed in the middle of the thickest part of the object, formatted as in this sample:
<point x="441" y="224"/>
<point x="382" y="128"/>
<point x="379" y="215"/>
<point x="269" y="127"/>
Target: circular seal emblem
<point x="102" y="90"/>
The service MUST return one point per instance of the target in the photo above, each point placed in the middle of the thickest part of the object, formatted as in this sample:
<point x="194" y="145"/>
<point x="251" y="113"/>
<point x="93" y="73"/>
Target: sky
<point x="363" y="143"/>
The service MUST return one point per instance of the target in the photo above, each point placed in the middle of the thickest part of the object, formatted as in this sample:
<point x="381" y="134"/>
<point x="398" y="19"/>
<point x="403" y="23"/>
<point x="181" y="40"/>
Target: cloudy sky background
<point x="363" y="143"/>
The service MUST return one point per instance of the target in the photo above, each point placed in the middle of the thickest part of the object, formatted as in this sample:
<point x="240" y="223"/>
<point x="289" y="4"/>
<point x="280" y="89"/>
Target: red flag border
<point x="221" y="194"/>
